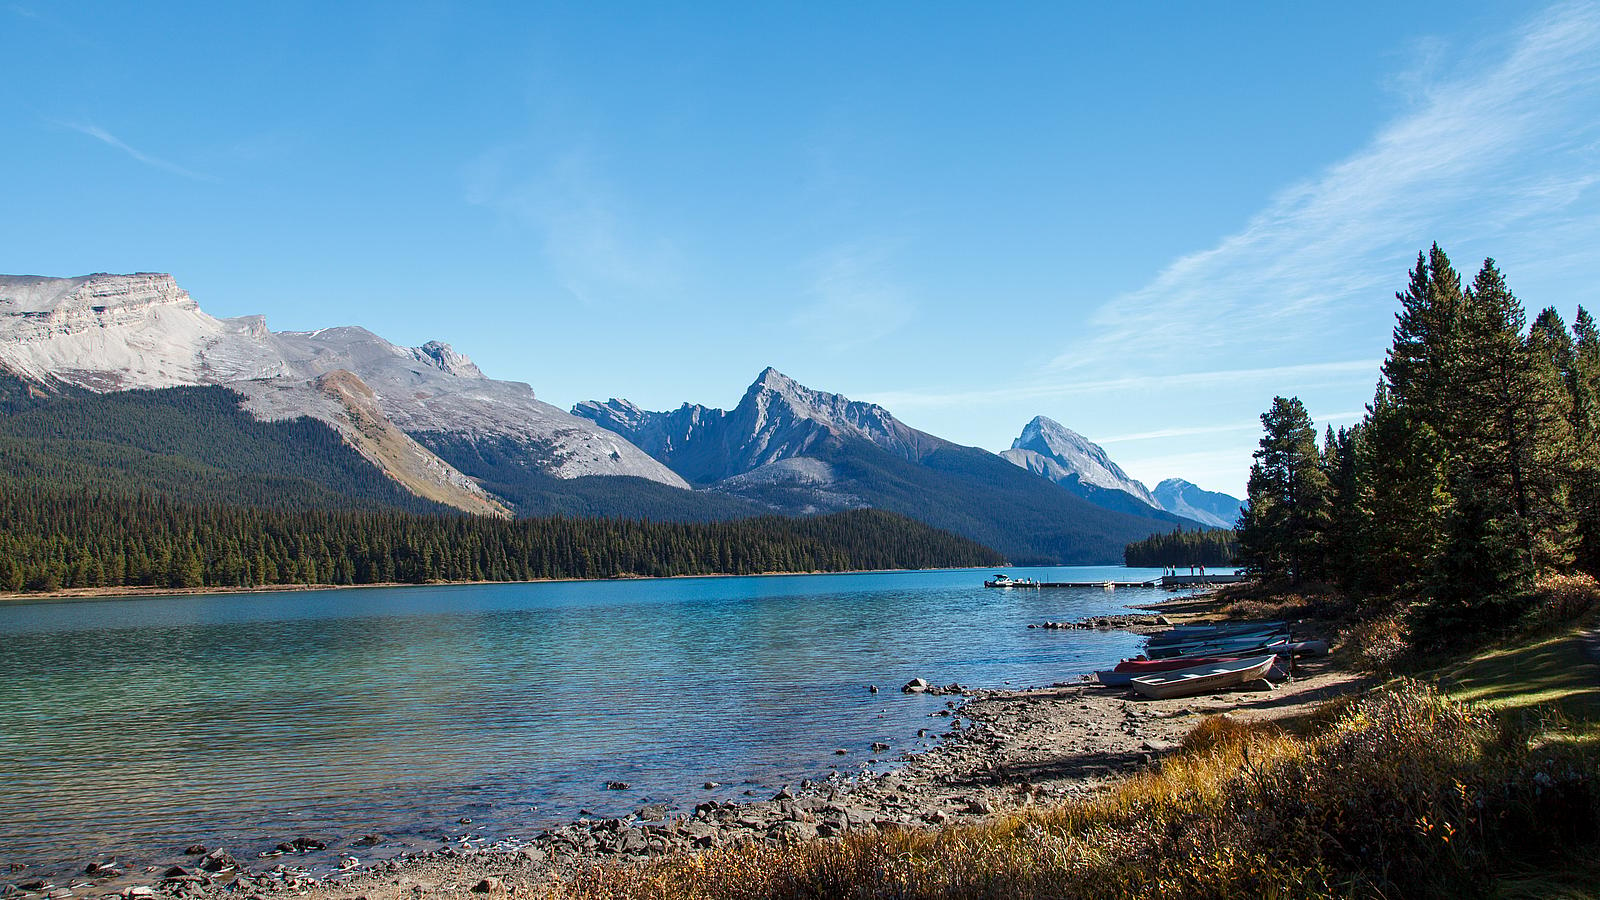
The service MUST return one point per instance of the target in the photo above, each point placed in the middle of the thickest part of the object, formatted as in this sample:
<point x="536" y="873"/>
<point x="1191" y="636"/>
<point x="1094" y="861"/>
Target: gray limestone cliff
<point x="117" y="332"/>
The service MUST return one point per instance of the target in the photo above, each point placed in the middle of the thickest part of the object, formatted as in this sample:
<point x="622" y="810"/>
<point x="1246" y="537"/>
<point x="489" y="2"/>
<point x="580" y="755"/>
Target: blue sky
<point x="1141" y="221"/>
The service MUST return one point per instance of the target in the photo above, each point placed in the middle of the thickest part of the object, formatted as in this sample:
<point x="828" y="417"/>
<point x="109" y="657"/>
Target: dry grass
<point x="1379" y="644"/>
<point x="1405" y="793"/>
<point x="1561" y="599"/>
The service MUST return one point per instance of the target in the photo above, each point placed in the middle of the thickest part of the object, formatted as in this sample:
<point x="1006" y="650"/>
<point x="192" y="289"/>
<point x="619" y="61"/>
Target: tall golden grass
<point x="1403" y="794"/>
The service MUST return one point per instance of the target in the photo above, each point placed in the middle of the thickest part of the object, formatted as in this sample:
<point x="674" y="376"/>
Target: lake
<point x="132" y="728"/>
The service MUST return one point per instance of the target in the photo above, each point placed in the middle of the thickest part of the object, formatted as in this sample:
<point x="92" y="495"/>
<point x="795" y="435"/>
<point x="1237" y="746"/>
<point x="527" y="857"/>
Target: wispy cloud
<point x="592" y="243"/>
<point x="1480" y="154"/>
<point x="853" y="301"/>
<point x="1198" y="430"/>
<point x="1303" y="374"/>
<point x="111" y="140"/>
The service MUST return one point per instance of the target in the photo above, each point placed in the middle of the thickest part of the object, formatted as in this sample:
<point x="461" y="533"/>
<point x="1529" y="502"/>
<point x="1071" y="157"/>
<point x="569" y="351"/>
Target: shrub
<point x="1559" y="599"/>
<point x="1378" y="644"/>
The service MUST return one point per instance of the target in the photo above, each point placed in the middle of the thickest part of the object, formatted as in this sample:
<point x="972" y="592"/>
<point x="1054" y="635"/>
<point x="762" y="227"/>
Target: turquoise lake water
<point x="136" y="727"/>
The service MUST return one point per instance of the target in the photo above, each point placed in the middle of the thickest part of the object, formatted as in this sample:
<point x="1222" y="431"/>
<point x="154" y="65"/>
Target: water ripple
<point x="132" y="727"/>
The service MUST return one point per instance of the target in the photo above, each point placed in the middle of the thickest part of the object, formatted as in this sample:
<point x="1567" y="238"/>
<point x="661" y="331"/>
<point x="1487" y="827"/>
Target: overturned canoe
<point x="1179" y="633"/>
<point x="1203" y="679"/>
<point x="1165" y="639"/>
<point x="1252" y="645"/>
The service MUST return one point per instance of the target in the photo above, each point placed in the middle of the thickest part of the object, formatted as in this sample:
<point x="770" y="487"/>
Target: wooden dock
<point x="1165" y="581"/>
<point x="1186" y="580"/>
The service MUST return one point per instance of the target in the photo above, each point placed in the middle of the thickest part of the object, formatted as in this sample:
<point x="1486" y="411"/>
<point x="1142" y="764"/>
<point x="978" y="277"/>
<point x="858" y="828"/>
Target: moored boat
<point x="1204" y="678"/>
<point x="1006" y="581"/>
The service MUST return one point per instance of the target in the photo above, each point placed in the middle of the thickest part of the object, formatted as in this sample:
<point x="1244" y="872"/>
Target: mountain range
<point x="1054" y="451"/>
<point x="431" y="422"/>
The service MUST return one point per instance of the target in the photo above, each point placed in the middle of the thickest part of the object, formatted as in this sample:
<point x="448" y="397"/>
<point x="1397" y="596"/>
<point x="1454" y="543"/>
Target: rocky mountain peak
<point x="623" y="417"/>
<point x="449" y="360"/>
<point x="1046" y="435"/>
<point x="773" y="380"/>
<point x="777" y="419"/>
<point x="776" y="403"/>
<point x="832" y="410"/>
<point x="1191" y="501"/>
<point x="1057" y="452"/>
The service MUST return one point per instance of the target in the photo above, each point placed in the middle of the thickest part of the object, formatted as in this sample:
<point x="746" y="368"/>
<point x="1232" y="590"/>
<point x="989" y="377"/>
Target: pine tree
<point x="1480" y="571"/>
<point x="1281" y="535"/>
<point x="1586" y="438"/>
<point x="1342" y="548"/>
<point x="1515" y="440"/>
<point x="1426" y="329"/>
<point x="1401" y="495"/>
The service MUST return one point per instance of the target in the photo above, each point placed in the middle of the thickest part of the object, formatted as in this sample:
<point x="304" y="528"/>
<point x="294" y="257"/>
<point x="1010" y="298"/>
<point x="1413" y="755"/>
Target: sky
<point x="1142" y="220"/>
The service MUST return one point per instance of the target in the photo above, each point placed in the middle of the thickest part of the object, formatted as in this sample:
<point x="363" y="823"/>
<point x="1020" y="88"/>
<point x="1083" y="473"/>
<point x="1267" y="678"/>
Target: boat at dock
<point x="1170" y="582"/>
<point x="1006" y="581"/>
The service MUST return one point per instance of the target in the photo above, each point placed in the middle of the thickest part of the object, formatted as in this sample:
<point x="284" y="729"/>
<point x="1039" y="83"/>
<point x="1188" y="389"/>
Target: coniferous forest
<point x="1474" y="473"/>
<point x="1196" y="547"/>
<point x="54" y="540"/>
<point x="180" y="488"/>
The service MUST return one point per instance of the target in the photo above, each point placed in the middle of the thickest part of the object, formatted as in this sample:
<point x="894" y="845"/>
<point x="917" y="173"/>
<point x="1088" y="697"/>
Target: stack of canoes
<point x="1198" y="659"/>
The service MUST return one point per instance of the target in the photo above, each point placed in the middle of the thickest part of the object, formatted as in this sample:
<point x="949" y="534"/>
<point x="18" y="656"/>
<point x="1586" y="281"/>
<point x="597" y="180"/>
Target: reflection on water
<point x="134" y="727"/>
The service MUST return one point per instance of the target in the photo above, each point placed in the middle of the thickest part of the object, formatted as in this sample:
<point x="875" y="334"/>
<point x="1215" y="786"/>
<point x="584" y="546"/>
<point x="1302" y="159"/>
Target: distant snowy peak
<point x="1055" y="451"/>
<point x="1208" y="507"/>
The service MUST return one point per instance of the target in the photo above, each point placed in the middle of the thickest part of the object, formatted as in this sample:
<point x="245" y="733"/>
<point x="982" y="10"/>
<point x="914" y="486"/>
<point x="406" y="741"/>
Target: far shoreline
<point x="148" y="592"/>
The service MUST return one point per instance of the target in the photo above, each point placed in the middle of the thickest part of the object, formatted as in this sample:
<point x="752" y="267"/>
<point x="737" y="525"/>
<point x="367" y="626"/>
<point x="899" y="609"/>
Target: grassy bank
<point x="1553" y="678"/>
<point x="1406" y="792"/>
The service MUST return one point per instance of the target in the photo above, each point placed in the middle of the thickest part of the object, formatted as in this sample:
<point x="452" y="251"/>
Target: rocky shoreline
<point x="1003" y="751"/>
